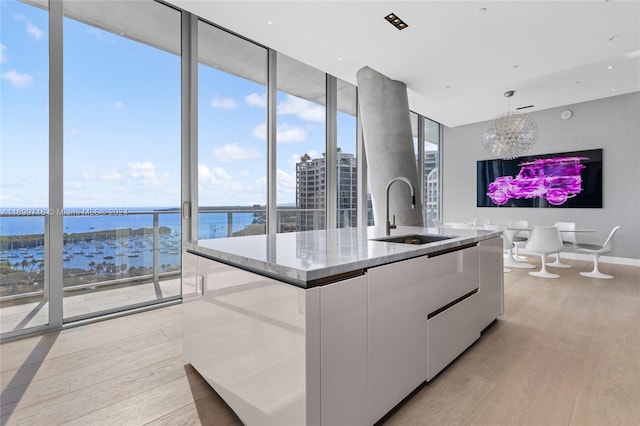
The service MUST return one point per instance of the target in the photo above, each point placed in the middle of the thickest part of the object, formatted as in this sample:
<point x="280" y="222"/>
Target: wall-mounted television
<point x="560" y="180"/>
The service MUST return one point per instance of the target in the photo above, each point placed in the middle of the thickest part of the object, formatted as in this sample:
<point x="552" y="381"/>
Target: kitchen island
<point x="334" y="327"/>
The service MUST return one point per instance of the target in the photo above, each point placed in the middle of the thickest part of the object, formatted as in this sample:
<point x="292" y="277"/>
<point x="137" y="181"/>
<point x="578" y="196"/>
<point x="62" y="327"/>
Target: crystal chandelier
<point x="510" y="135"/>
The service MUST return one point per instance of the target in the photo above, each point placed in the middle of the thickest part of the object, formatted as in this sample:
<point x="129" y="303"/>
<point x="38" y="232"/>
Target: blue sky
<point x="122" y="123"/>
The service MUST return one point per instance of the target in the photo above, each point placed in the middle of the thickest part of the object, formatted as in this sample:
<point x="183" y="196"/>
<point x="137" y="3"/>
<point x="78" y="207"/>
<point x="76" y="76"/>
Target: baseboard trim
<point x="628" y="261"/>
<point x="603" y="259"/>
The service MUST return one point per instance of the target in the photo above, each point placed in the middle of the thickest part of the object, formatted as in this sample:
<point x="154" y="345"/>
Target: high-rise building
<point x="311" y="192"/>
<point x="431" y="187"/>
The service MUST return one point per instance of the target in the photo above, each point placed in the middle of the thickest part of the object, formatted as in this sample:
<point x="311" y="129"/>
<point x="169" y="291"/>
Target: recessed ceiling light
<point x="396" y="21"/>
<point x="516" y="66"/>
<point x="610" y="67"/>
<point x="613" y="90"/>
<point x="482" y="10"/>
<point x="340" y="58"/>
<point x="577" y="82"/>
<point x="613" y="38"/>
<point x="269" y="22"/>
<point x="448" y="87"/>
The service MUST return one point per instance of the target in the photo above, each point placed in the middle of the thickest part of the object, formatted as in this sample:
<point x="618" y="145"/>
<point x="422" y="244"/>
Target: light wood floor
<point x="566" y="352"/>
<point x="25" y="315"/>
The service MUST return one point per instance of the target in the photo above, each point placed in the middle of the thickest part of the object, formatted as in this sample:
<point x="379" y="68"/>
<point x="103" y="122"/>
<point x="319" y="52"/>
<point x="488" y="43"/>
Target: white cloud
<point x="34" y="31"/>
<point x="19" y="17"/>
<point x="295" y="158"/>
<point x="3" y="58"/>
<point x="245" y="173"/>
<point x="215" y="176"/>
<point x="256" y="99"/>
<point x="75" y="132"/>
<point x="304" y="109"/>
<point x="285" y="133"/>
<point x="217" y="186"/>
<point x="108" y="175"/>
<point x="260" y="131"/>
<point x="17" y="79"/>
<point x="146" y="172"/>
<point x="223" y="103"/>
<point x="119" y="105"/>
<point x="73" y="184"/>
<point x="285" y="184"/>
<point x="11" y="200"/>
<point x="230" y="152"/>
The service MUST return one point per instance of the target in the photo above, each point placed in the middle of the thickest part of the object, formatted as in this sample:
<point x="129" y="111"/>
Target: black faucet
<point x="389" y="225"/>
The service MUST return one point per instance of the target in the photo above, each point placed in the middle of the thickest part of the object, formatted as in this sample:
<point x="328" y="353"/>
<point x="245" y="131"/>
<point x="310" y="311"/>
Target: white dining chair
<point x="568" y="241"/>
<point x="519" y="237"/>
<point x="543" y="241"/>
<point x="481" y="223"/>
<point x="597" y="250"/>
<point x="508" y="245"/>
<point x="458" y="225"/>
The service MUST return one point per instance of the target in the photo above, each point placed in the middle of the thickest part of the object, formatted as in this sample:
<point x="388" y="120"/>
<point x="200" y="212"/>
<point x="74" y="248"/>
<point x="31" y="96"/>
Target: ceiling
<point x="457" y="58"/>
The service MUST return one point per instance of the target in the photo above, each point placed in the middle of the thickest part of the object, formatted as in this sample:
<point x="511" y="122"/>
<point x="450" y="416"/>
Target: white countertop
<point x="311" y="258"/>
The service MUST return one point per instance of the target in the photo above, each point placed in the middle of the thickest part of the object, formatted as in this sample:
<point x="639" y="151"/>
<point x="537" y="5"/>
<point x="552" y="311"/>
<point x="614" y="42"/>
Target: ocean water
<point x="130" y="251"/>
<point x="212" y="225"/>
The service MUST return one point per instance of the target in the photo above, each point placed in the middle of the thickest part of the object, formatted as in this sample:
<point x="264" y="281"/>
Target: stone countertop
<point x="311" y="258"/>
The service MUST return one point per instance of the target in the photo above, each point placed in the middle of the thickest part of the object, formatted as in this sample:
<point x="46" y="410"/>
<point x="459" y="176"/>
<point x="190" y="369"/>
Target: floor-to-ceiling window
<point x="301" y="142"/>
<point x="121" y="155"/>
<point x="119" y="236"/>
<point x="24" y="147"/>
<point x="232" y="134"/>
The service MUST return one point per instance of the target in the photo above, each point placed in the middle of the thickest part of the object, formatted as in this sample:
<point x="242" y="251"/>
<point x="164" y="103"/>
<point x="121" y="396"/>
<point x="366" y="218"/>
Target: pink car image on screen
<point x="553" y="179"/>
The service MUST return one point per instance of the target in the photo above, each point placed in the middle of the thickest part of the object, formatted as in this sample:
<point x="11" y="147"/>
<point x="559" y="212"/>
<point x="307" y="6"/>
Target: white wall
<point x="612" y="124"/>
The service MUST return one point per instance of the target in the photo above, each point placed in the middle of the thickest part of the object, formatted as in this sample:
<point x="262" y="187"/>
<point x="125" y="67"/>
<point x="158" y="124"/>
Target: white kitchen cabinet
<point x="343" y="352"/>
<point x="451" y="276"/>
<point x="397" y="339"/>
<point x="247" y="336"/>
<point x="449" y="333"/>
<point x="451" y="306"/>
<point x="491" y="293"/>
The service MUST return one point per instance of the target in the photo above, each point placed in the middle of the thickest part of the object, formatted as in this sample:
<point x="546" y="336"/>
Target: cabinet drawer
<point x="450" y="333"/>
<point x="451" y="276"/>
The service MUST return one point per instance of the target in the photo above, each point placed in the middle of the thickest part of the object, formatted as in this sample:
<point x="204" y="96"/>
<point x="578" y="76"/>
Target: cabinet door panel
<point x="397" y="337"/>
<point x="450" y="333"/>
<point x="491" y="293"/>
<point x="343" y="347"/>
<point x="193" y="314"/>
<point x="451" y="276"/>
<point x="246" y="336"/>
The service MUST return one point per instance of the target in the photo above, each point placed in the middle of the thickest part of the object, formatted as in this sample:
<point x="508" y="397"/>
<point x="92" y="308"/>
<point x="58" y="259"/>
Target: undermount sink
<point x="416" y="239"/>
